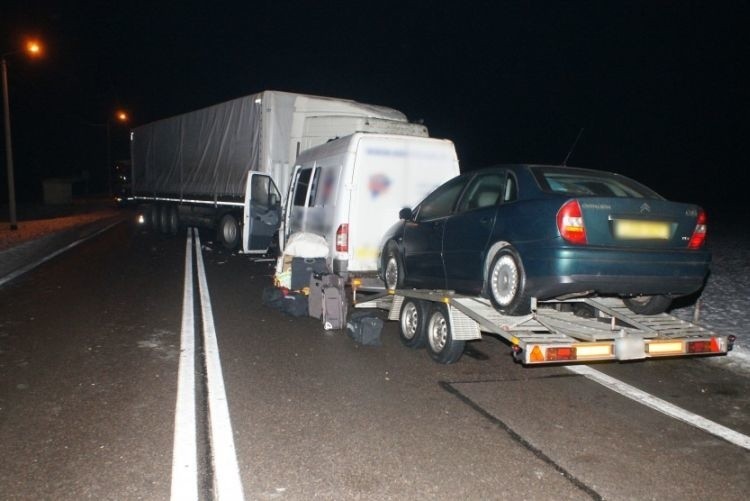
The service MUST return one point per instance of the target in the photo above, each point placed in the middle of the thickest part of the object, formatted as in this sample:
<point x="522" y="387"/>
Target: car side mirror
<point x="405" y="213"/>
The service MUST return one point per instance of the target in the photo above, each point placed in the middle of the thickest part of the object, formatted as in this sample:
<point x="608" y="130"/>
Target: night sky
<point x="660" y="88"/>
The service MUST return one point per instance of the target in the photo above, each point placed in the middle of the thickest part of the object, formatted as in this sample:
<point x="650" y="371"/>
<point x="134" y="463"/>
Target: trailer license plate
<point x="634" y="229"/>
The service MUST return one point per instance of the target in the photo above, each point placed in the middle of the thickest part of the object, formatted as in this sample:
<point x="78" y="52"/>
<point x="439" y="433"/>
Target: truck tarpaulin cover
<point x="208" y="152"/>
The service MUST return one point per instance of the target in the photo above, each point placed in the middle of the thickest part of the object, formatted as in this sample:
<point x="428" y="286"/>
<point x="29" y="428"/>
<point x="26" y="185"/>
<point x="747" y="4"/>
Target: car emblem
<point x="645" y="208"/>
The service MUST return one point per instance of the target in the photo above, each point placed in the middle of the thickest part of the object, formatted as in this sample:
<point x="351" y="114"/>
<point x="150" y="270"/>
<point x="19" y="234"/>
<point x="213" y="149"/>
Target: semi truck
<point x="229" y="166"/>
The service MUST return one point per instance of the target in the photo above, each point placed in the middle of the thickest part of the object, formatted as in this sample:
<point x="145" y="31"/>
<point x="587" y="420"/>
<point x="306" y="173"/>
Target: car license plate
<point x="629" y="228"/>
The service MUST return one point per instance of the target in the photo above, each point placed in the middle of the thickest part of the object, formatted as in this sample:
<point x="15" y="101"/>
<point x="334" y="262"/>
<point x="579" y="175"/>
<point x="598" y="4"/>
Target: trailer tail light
<point x="699" y="233"/>
<point x="665" y="348"/>
<point x="570" y="223"/>
<point x="561" y="353"/>
<point x="342" y="238"/>
<point x="704" y="346"/>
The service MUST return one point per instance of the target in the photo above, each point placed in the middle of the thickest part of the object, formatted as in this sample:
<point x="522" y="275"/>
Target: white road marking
<point x="184" y="452"/>
<point x="227" y="481"/>
<point x="662" y="406"/>
<point x="7" y="278"/>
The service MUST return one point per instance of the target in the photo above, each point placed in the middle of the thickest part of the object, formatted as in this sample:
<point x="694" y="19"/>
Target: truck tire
<point x="164" y="219"/>
<point x="440" y="343"/>
<point x="413" y="323"/>
<point x="228" y="233"/>
<point x="174" y="219"/>
<point x="152" y="217"/>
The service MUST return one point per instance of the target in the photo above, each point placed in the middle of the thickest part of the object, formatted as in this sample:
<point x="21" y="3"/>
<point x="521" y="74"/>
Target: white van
<point x="350" y="191"/>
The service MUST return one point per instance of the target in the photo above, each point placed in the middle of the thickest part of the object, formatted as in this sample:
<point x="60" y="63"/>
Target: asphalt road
<point x="89" y="354"/>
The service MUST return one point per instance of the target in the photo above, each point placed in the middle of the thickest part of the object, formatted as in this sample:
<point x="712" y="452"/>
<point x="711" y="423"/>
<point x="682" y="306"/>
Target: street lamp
<point x="122" y="117"/>
<point x="34" y="49"/>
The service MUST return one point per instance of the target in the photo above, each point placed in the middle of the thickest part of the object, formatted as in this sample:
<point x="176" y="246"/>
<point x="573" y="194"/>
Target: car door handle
<point x="485" y="221"/>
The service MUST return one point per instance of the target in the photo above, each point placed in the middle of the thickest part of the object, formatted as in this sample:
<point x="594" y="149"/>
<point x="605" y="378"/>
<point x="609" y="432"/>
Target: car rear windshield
<point x="589" y="183"/>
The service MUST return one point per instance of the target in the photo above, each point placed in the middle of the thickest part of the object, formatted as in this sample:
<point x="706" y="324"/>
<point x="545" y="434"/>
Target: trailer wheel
<point x="506" y="283"/>
<point x="413" y="320"/>
<point x="174" y="219"/>
<point x="648" y="305"/>
<point x="229" y="232"/>
<point x="393" y="267"/>
<point x="441" y="345"/>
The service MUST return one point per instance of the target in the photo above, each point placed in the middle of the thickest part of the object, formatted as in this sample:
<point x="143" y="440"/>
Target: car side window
<point x="511" y="189"/>
<point x="442" y="201"/>
<point x="485" y="190"/>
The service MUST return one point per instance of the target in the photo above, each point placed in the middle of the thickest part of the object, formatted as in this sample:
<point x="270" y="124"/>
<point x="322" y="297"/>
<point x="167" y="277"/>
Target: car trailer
<point x="558" y="331"/>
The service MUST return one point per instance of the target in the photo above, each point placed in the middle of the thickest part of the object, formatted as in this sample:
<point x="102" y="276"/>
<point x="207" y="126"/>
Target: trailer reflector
<point x="594" y="350"/>
<point x="665" y="347"/>
<point x="536" y="354"/>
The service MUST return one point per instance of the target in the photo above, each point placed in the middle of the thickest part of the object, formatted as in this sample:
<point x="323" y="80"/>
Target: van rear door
<point x="390" y="173"/>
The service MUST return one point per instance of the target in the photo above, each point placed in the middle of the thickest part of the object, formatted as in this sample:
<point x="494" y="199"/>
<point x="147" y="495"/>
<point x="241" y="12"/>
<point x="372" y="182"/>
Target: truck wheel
<point x="393" y="267"/>
<point x="648" y="305"/>
<point x="229" y="232"/>
<point x="174" y="220"/>
<point x="413" y="320"/>
<point x="506" y="283"/>
<point x="164" y="219"/>
<point x="440" y="343"/>
<point x="152" y="217"/>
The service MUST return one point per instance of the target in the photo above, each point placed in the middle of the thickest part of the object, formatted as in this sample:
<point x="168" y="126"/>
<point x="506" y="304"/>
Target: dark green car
<point x="515" y="232"/>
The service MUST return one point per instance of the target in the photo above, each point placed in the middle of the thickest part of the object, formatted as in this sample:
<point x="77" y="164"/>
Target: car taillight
<point x="342" y="238"/>
<point x="699" y="233"/>
<point x="570" y="223"/>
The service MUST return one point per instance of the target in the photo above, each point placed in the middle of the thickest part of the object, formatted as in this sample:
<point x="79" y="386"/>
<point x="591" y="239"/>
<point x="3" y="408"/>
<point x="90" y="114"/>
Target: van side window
<point x="260" y="190"/>
<point x="326" y="187"/>
<point x="300" y="191"/>
<point x="442" y="201"/>
<point x="314" y="187"/>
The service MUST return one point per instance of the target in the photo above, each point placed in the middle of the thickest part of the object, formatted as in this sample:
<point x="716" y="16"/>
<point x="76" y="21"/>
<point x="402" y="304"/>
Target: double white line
<point x="223" y="461"/>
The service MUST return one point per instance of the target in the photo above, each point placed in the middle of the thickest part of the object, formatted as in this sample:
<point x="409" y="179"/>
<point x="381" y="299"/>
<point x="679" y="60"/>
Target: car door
<point x="262" y="213"/>
<point x="423" y="236"/>
<point x="467" y="232"/>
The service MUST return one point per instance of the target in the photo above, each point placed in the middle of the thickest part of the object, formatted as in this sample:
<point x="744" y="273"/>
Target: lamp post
<point x="122" y="117"/>
<point x="33" y="48"/>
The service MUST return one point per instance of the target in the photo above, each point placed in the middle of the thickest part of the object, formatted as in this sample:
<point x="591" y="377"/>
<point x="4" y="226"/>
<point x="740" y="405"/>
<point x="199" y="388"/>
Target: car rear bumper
<point x="554" y="272"/>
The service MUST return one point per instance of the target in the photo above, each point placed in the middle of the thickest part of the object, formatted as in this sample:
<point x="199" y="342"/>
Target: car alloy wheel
<point x="504" y="280"/>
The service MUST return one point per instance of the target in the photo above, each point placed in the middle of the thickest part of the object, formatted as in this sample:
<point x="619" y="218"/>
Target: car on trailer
<point x="515" y="232"/>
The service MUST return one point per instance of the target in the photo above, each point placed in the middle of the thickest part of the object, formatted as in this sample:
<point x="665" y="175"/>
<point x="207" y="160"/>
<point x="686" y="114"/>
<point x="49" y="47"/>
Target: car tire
<point x="506" y="283"/>
<point x="393" y="267"/>
<point x="413" y="322"/>
<point x="648" y="305"/>
<point x="228" y="233"/>
<point x="440" y="343"/>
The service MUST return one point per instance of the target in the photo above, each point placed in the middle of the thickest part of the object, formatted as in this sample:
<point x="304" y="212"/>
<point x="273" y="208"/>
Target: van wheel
<point x="229" y="232"/>
<point x="506" y="283"/>
<point x="648" y="305"/>
<point x="440" y="343"/>
<point x="393" y="268"/>
<point x="413" y="320"/>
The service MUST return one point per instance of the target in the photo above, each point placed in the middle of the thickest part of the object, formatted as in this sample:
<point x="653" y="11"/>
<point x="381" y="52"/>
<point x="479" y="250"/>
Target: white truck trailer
<point x="228" y="166"/>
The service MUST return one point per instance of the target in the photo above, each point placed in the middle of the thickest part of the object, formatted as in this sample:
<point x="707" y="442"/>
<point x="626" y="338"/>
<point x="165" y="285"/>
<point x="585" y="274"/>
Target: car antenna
<point x="565" y="162"/>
